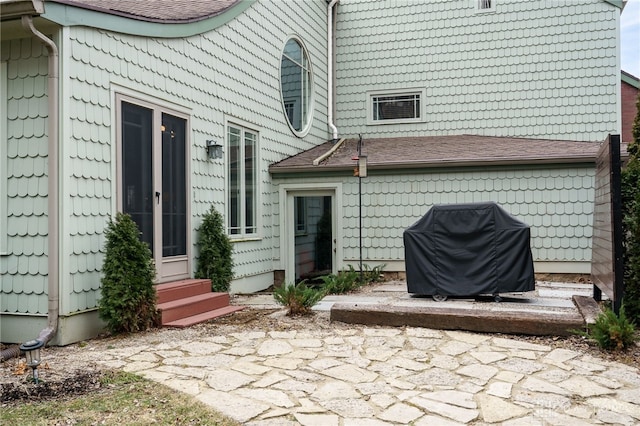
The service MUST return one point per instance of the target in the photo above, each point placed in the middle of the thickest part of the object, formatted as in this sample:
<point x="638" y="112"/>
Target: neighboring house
<point x="111" y="106"/>
<point x="629" y="94"/>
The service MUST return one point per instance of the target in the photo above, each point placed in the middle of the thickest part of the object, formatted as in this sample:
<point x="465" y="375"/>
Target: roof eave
<point x="71" y="14"/>
<point x="391" y="165"/>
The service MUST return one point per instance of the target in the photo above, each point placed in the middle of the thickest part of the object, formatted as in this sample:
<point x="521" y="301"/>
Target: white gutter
<point x="327" y="154"/>
<point x="53" y="256"/>
<point x="330" y="77"/>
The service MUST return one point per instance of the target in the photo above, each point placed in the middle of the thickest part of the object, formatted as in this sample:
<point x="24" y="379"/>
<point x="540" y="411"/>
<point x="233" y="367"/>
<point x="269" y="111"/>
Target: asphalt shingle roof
<point x="166" y="11"/>
<point x="434" y="151"/>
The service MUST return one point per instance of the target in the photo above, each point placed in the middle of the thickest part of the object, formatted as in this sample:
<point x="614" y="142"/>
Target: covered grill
<point x="468" y="249"/>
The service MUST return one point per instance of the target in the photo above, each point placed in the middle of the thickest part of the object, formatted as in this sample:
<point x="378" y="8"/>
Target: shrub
<point x="373" y="275"/>
<point x="346" y="281"/>
<point x="631" y="224"/>
<point x="611" y="331"/>
<point x="298" y="298"/>
<point x="215" y="261"/>
<point x="128" y="302"/>
<point x="343" y="282"/>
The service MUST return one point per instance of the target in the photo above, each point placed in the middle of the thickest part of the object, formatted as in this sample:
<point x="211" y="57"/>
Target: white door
<point x="153" y="164"/>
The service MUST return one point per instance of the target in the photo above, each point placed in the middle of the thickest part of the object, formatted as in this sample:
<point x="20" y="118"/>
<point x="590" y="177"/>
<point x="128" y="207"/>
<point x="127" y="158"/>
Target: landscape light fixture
<point x="214" y="150"/>
<point x="31" y="351"/>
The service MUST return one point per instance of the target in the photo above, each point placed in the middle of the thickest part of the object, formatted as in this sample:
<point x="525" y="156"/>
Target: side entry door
<point x="153" y="150"/>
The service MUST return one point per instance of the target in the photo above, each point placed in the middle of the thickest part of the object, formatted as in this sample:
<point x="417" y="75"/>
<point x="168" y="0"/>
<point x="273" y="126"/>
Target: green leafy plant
<point x="298" y="298"/>
<point x="631" y="224"/>
<point x="342" y="282"/>
<point x="215" y="261"/>
<point x="611" y="331"/>
<point x="373" y="275"/>
<point x="349" y="280"/>
<point x="128" y="302"/>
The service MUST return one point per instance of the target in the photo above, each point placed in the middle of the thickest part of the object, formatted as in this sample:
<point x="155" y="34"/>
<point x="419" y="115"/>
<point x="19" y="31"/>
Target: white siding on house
<point x="539" y="68"/>
<point x="23" y="268"/>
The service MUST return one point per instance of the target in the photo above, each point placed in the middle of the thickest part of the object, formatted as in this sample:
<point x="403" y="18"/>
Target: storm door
<point x="313" y="237"/>
<point x="153" y="159"/>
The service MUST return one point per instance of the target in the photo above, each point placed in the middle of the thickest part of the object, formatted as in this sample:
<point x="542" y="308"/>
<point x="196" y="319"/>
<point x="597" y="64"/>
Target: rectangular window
<point x="242" y="170"/>
<point x="301" y="215"/>
<point x="4" y="99"/>
<point x="486" y="5"/>
<point x="396" y="107"/>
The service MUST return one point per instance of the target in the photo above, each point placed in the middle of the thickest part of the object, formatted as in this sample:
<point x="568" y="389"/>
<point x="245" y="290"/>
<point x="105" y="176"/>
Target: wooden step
<point x="175" y="290"/>
<point x="205" y="316"/>
<point x="193" y="305"/>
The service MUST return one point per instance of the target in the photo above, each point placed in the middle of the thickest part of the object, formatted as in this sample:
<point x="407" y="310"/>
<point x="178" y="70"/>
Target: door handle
<point x="157" y="197"/>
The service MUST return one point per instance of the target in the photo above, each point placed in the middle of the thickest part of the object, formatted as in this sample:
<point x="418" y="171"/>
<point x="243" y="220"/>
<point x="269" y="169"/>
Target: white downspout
<point x="53" y="256"/>
<point x="330" y="77"/>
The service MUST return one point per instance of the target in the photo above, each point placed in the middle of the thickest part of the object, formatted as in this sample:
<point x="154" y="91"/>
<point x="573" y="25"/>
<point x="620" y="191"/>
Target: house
<point x="120" y="105"/>
<point x="630" y="92"/>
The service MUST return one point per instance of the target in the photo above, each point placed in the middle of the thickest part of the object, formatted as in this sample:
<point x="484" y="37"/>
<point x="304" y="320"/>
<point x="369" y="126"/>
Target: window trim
<point x="4" y="160"/>
<point x="490" y="9"/>
<point x="396" y="92"/>
<point x="300" y="221"/>
<point x="244" y="127"/>
<point x="287" y="100"/>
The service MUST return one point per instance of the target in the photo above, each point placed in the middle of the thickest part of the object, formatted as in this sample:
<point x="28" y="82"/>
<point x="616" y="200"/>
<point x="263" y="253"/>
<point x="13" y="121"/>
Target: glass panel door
<point x="137" y="168"/>
<point x="313" y="246"/>
<point x="153" y="158"/>
<point x="174" y="188"/>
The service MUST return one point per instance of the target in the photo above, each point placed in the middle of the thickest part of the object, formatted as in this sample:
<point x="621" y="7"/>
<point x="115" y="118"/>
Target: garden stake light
<point x="32" y="354"/>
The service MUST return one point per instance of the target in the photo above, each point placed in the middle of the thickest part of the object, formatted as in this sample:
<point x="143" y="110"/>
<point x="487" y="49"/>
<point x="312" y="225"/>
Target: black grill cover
<point x="468" y="249"/>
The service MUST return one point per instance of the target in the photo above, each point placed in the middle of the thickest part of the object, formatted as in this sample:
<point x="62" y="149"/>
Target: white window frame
<point x="4" y="161"/>
<point x="242" y="228"/>
<point x="305" y="110"/>
<point x="372" y="95"/>
<point x="485" y="6"/>
<point x="300" y="215"/>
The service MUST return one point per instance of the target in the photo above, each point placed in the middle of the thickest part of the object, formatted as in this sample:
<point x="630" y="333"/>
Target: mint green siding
<point x="23" y="268"/>
<point x="539" y="68"/>
<point x="556" y="202"/>
<point x="229" y="73"/>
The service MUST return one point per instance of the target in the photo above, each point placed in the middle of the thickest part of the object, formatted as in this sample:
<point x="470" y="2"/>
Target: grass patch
<point x="122" y="399"/>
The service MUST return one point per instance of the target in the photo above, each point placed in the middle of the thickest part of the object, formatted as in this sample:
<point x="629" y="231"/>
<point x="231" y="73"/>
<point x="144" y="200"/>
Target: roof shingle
<point x="165" y="11"/>
<point x="434" y="151"/>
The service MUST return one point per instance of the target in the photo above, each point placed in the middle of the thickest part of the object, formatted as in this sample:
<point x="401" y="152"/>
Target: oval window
<point x="295" y="85"/>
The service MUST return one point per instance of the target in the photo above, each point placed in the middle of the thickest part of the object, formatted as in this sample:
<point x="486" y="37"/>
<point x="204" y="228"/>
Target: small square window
<point x="396" y="106"/>
<point x="485" y="5"/>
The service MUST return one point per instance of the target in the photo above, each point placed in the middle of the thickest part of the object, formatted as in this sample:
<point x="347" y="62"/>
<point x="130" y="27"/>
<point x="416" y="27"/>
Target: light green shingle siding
<point x="556" y="202"/>
<point x="543" y="69"/>
<point x="24" y="268"/>
<point x="229" y="73"/>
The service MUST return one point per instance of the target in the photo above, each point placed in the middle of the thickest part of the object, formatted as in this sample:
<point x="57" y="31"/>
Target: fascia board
<point x="69" y="16"/>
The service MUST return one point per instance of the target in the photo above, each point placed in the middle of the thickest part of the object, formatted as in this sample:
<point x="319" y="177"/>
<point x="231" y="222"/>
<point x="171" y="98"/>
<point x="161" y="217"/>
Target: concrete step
<point x="175" y="290"/>
<point x="193" y="305"/>
<point x="205" y="316"/>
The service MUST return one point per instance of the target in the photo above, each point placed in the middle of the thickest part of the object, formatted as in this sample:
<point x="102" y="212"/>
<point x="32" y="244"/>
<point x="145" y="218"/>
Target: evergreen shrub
<point x="215" y="261"/>
<point x="611" y="331"/>
<point x="128" y="301"/>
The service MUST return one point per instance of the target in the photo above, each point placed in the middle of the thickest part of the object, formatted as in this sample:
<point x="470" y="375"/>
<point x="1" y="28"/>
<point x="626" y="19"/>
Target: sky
<point x="630" y="38"/>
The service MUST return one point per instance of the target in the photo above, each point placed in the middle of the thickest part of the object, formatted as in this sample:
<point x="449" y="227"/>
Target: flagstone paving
<point x="360" y="375"/>
<point x="285" y="371"/>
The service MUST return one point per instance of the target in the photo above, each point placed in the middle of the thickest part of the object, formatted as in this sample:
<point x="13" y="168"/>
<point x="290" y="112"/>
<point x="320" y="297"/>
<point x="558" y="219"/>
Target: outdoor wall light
<point x="31" y="351"/>
<point x="214" y="150"/>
